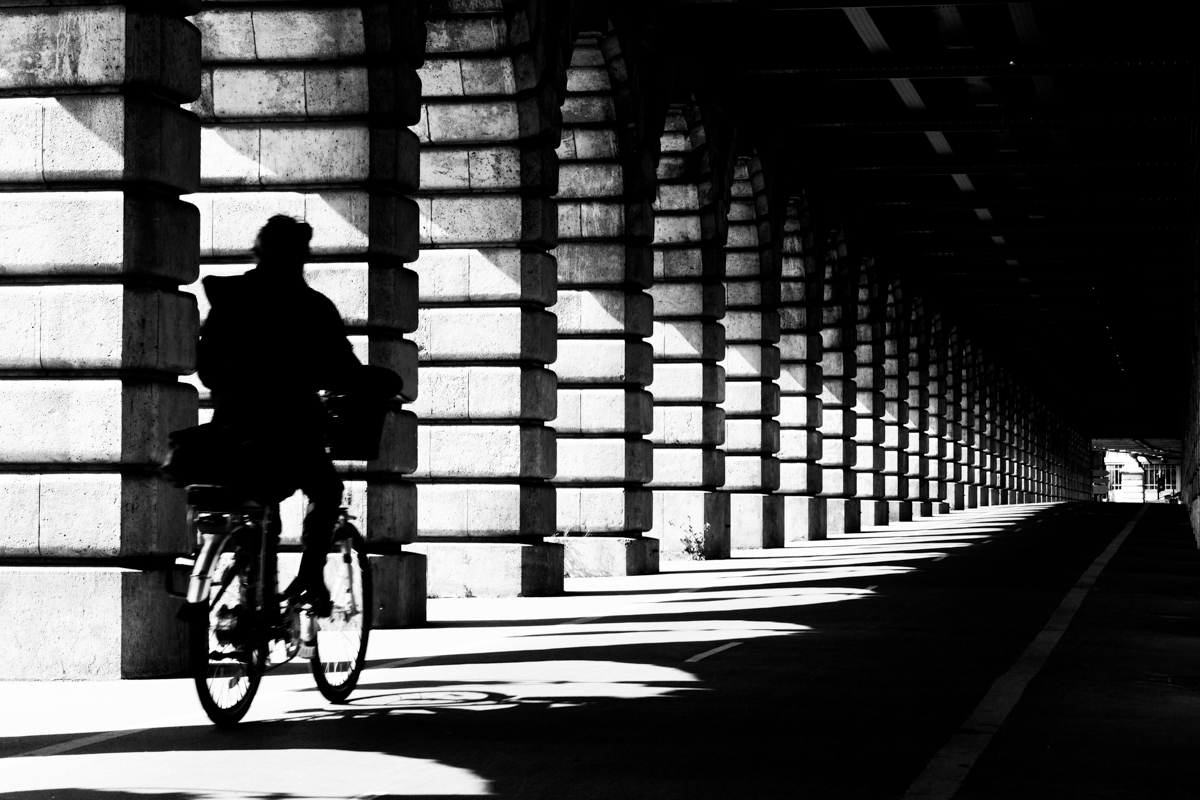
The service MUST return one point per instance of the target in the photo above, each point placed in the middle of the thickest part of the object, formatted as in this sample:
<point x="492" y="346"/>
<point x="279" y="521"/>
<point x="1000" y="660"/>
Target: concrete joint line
<point x="948" y="769"/>
<point x="713" y="652"/>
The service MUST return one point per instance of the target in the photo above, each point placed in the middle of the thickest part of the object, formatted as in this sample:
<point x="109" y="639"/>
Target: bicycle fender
<point x="199" y="580"/>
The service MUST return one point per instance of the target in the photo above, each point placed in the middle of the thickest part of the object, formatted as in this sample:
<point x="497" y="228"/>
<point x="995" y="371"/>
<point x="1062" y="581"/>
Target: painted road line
<point x="713" y="652"/>
<point x="945" y="773"/>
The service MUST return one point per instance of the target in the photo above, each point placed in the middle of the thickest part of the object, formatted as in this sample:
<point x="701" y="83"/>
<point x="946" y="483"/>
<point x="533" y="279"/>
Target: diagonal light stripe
<point x="940" y="145"/>
<point x="860" y="18"/>
<point x="963" y="182"/>
<point x="908" y="93"/>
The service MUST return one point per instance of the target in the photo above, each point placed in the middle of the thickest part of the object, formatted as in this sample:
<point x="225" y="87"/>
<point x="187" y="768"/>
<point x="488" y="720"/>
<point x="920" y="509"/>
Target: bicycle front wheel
<point x="341" y="646"/>
<point x="227" y="651"/>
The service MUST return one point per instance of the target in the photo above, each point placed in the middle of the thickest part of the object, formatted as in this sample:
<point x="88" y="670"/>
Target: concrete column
<point x="751" y="365"/>
<point x="839" y="392"/>
<point x="895" y="419"/>
<point x="301" y="117"/>
<point x="991" y="396"/>
<point x="691" y="515"/>
<point x="604" y="315"/>
<point x="968" y="435"/>
<point x="489" y="127"/>
<point x="869" y="400"/>
<point x="918" y="413"/>
<point x="800" y="380"/>
<point x="1004" y="417"/>
<point x="956" y="494"/>
<point x="94" y="332"/>
<point x="935" y="426"/>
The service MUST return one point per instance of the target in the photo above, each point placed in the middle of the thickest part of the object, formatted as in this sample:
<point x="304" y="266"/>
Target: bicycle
<point x="237" y="618"/>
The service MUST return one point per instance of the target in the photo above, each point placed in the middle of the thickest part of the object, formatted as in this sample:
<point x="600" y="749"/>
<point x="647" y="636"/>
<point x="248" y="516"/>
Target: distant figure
<point x="269" y="344"/>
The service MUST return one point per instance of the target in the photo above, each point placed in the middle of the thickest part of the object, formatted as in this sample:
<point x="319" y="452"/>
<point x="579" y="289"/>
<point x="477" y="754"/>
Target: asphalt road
<point x="834" y="669"/>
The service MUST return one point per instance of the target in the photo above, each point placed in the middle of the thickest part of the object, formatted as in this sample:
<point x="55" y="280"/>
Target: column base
<point x="691" y="525"/>
<point x="755" y="521"/>
<point x="397" y="582"/>
<point x="923" y="508"/>
<point x="972" y="497"/>
<point x="843" y="515"/>
<point x="607" y="556"/>
<point x="804" y="519"/>
<point x="941" y="507"/>
<point x="874" y="512"/>
<point x="900" y="511"/>
<point x="958" y="497"/>
<point x="994" y="497"/>
<point x="492" y="569"/>
<point x="90" y="623"/>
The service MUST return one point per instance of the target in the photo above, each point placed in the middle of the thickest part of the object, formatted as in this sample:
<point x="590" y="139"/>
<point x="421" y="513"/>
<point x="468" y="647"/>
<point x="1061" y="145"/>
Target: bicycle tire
<point x="341" y="645"/>
<point x="227" y="685"/>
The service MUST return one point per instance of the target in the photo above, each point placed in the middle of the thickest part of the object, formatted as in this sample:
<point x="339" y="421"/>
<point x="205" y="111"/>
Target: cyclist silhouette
<point x="269" y="344"/>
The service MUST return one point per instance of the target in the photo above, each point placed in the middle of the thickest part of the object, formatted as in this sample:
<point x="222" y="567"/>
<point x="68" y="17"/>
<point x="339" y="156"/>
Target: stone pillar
<point x="956" y="495"/>
<point x="935" y="423"/>
<point x="691" y="515"/>
<point x="490" y="123"/>
<point x="918" y="414"/>
<point x="839" y="391"/>
<point x="991" y="397"/>
<point x="968" y="438"/>
<point x="751" y="365"/>
<point x="895" y="419"/>
<point x="94" y="242"/>
<point x="1004" y="411"/>
<point x="800" y="380"/>
<point x="304" y="113"/>
<point x="604" y="315"/>
<point x="975" y="400"/>
<point x="869" y="400"/>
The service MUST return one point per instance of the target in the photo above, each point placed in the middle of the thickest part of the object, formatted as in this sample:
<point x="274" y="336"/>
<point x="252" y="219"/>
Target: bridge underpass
<point x="726" y="280"/>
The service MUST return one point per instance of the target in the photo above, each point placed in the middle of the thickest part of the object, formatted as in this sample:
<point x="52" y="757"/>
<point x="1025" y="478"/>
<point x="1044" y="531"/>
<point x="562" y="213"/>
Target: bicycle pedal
<point x="306" y="651"/>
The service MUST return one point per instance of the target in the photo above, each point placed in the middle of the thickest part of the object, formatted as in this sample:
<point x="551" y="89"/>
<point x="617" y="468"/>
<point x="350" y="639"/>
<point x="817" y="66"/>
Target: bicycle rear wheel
<point x="227" y="651"/>
<point x="341" y="646"/>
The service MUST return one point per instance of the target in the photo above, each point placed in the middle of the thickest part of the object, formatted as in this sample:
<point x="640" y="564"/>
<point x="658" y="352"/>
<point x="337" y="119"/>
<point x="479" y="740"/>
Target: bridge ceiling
<point x="1026" y="166"/>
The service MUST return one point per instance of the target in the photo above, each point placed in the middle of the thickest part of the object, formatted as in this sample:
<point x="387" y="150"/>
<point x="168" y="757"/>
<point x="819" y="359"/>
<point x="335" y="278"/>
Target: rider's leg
<point x="323" y="488"/>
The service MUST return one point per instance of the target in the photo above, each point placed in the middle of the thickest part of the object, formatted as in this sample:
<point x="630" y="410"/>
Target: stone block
<point x="485" y="451"/>
<point x="800" y="477"/>
<point x="114" y="234"/>
<point x="604" y="461"/>
<point x="751" y="361"/>
<point x="603" y="311"/>
<point x="486" y="334"/>
<point x="688" y="467"/>
<point x="608" y="556"/>
<point x="107" y="46"/>
<point x="691" y="340"/>
<point x="800" y="379"/>
<point x="751" y="398"/>
<point x="125" y="629"/>
<point x="799" y="411"/>
<point x="91" y="421"/>
<point x="700" y="383"/>
<point x="291" y="35"/>
<point x="800" y="444"/>
<point x="598" y="411"/>
<point x="584" y="511"/>
<point x="676" y="300"/>
<point x="482" y="220"/>
<point x="97" y="326"/>
<point x="751" y="473"/>
<point x="837" y="482"/>
<point x="482" y="393"/>
<point x="492" y="569"/>
<point x="484" y="511"/>
<point x="486" y="275"/>
<point x="672" y="229"/>
<point x="98" y="138"/>
<point x="691" y="525"/>
<point x="838" y="452"/>
<point x="397" y="447"/>
<point x="688" y="425"/>
<point x="869" y="458"/>
<point x="604" y="361"/>
<point x="837" y="423"/>
<point x="804" y="519"/>
<point x="92" y="515"/>
<point x="750" y="435"/>
<point x="600" y="263"/>
<point x="756" y="521"/>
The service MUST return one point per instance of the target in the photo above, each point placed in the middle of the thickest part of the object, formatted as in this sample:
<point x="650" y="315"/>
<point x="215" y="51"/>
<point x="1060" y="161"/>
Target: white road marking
<point x="713" y="652"/>
<point x="945" y="773"/>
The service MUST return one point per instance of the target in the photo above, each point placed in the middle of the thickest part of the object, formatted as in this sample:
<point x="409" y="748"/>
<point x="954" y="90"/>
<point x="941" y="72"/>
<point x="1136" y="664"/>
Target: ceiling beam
<point x="949" y="66"/>
<point x="1025" y="201"/>
<point x="973" y="166"/>
<point x="985" y="123"/>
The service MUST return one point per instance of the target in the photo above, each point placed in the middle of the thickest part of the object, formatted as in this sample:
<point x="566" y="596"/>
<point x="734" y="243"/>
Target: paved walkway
<point x="837" y="669"/>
